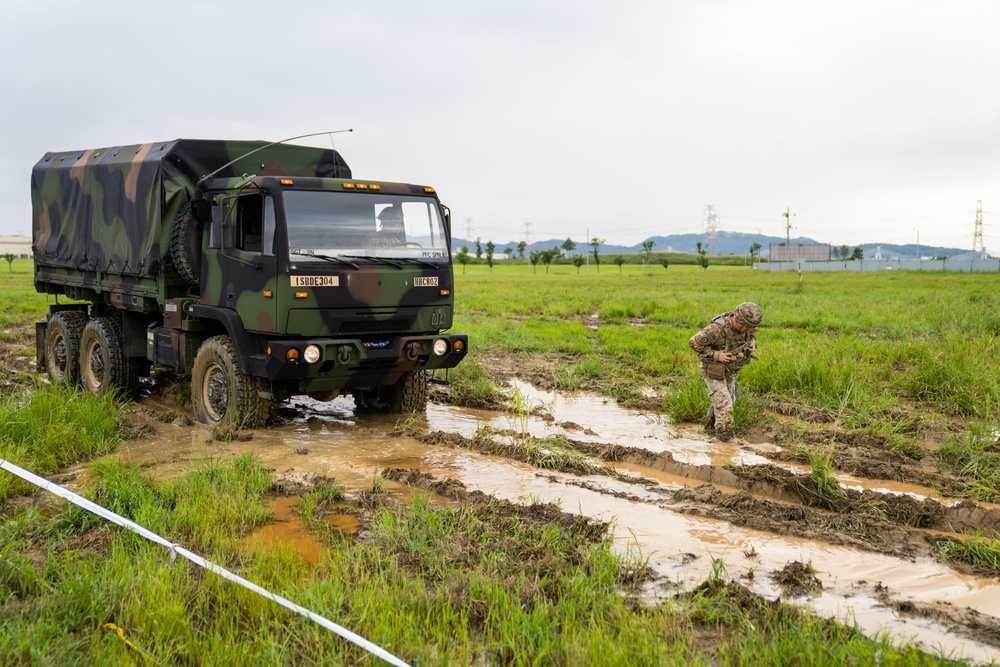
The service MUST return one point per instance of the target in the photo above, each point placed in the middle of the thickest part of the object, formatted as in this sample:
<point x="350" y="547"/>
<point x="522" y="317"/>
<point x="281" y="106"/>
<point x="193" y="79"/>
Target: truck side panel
<point x="105" y="214"/>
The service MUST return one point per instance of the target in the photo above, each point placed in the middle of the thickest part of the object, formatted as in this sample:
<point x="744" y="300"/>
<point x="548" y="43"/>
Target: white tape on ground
<point x="174" y="549"/>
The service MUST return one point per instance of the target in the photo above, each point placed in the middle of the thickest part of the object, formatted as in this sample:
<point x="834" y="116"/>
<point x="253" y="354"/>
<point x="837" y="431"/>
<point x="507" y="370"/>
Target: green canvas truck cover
<point x="110" y="209"/>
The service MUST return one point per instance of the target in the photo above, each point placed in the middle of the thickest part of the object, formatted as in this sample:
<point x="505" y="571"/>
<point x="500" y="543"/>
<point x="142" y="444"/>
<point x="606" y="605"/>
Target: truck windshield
<point x="364" y="224"/>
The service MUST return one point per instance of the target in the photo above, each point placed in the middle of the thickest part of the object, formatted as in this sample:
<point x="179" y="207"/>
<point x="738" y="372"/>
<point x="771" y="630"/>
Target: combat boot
<point x="724" y="435"/>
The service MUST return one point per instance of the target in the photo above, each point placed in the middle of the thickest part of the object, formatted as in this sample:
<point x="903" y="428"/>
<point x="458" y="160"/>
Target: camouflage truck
<point x="262" y="270"/>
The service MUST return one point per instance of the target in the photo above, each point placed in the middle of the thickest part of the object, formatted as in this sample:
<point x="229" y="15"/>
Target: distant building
<point x="19" y="246"/>
<point x="799" y="253"/>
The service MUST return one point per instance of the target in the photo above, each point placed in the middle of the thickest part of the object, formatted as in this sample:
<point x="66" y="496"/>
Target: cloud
<point x="620" y="120"/>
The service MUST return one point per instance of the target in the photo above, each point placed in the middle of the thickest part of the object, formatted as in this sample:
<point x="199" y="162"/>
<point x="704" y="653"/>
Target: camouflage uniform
<point x="721" y="336"/>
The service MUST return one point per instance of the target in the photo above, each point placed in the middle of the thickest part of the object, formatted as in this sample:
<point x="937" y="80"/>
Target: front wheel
<point x="223" y="395"/>
<point x="409" y="394"/>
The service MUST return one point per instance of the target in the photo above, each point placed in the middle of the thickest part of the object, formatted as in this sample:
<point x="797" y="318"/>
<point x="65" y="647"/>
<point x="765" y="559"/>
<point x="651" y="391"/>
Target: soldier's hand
<point x="753" y="345"/>
<point x="725" y="357"/>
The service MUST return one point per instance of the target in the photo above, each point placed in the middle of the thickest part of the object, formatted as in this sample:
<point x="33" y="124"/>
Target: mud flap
<point x="40" y="345"/>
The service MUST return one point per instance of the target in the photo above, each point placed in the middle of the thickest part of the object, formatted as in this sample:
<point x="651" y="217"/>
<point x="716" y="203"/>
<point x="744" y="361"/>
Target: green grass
<point x="483" y="583"/>
<point x="49" y="427"/>
<point x="821" y="473"/>
<point x="980" y="550"/>
<point x="864" y="347"/>
<point x="323" y="498"/>
<point x="20" y="307"/>
<point x="470" y="384"/>
<point x="976" y="453"/>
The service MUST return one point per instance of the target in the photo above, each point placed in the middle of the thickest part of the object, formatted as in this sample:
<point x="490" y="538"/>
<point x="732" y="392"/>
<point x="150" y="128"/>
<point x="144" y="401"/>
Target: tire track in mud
<point x="761" y="518"/>
<point x="773" y="499"/>
<point x="794" y="581"/>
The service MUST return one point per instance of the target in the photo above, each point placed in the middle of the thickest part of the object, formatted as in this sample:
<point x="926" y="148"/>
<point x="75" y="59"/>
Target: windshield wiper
<point x="373" y="258"/>
<point x="329" y="258"/>
<point x="419" y="261"/>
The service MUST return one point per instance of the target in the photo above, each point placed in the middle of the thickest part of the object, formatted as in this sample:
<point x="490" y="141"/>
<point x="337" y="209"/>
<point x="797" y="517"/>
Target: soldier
<point x="392" y="231"/>
<point x="725" y="346"/>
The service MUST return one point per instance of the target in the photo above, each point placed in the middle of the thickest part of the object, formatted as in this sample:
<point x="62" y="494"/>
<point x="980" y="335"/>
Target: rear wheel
<point x="62" y="347"/>
<point x="409" y="394"/>
<point x="103" y="364"/>
<point x="223" y="395"/>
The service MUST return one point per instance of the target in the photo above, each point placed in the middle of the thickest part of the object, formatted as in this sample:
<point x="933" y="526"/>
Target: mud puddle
<point x="916" y="599"/>
<point x="286" y="529"/>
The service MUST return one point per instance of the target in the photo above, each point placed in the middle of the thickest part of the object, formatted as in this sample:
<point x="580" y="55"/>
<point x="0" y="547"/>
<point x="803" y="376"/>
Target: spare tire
<point x="185" y="244"/>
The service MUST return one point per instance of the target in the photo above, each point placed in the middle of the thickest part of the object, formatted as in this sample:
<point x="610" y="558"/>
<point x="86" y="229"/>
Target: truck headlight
<point x="311" y="355"/>
<point x="440" y="347"/>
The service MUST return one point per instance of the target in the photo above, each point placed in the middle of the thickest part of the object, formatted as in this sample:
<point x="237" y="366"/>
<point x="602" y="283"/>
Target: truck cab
<point x="291" y="281"/>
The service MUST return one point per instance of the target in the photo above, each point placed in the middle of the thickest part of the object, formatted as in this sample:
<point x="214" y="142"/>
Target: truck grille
<point x="373" y="327"/>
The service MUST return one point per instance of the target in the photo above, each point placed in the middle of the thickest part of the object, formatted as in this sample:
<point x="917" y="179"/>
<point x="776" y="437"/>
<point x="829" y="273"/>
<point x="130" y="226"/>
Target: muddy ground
<point x="687" y="503"/>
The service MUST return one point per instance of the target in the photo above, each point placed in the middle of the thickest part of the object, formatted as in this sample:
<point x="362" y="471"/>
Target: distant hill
<point x="730" y="243"/>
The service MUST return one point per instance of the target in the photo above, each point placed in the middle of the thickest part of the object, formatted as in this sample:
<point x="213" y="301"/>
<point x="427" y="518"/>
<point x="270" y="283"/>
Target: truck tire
<point x="103" y="364"/>
<point x="223" y="395"/>
<point x="409" y="394"/>
<point x="62" y="347"/>
<point x="185" y="244"/>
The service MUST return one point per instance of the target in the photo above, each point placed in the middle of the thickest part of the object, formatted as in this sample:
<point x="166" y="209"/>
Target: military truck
<point x="263" y="270"/>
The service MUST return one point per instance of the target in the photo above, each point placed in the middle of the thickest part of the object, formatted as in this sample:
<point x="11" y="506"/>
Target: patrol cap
<point x="390" y="214"/>
<point x="748" y="314"/>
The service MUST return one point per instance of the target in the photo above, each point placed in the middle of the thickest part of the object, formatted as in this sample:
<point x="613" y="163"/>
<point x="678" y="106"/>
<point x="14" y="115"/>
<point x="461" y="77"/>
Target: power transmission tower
<point x="977" y="239"/>
<point x="711" y="227"/>
<point x="528" y="232"/>
<point x="467" y="223"/>
<point x="788" y="225"/>
<point x="528" y="235"/>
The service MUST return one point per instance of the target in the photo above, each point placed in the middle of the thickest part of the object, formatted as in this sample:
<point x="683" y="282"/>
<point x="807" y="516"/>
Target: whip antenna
<point x="273" y="143"/>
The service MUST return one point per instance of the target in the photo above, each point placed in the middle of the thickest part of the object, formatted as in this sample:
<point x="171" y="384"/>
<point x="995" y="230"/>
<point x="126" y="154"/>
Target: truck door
<point x="248" y="261"/>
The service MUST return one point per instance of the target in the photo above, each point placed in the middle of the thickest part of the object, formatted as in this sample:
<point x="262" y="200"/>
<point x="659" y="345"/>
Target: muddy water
<point x="286" y="529"/>
<point x="327" y="439"/>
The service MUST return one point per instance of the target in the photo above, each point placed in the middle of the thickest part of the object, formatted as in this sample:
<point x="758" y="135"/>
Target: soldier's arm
<point x="705" y="344"/>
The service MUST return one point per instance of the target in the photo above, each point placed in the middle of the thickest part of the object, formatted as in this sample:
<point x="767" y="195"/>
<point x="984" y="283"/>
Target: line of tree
<point x="844" y="252"/>
<point x="568" y="248"/>
<point x="566" y="254"/>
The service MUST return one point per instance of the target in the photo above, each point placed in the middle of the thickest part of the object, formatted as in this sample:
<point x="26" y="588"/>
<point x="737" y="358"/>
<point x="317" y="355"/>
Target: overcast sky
<point x="872" y="121"/>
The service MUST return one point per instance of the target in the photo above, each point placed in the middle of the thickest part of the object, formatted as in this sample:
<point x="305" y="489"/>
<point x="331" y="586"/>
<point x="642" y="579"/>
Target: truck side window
<point x="250" y="218"/>
<point x="268" y="238"/>
<point x="215" y="231"/>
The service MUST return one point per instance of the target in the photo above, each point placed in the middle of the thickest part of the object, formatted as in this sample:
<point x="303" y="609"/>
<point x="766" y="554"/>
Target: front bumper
<point x="352" y="363"/>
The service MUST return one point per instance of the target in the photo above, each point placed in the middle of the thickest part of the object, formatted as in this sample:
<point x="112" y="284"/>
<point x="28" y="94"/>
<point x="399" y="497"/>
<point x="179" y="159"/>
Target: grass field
<point x="895" y="355"/>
